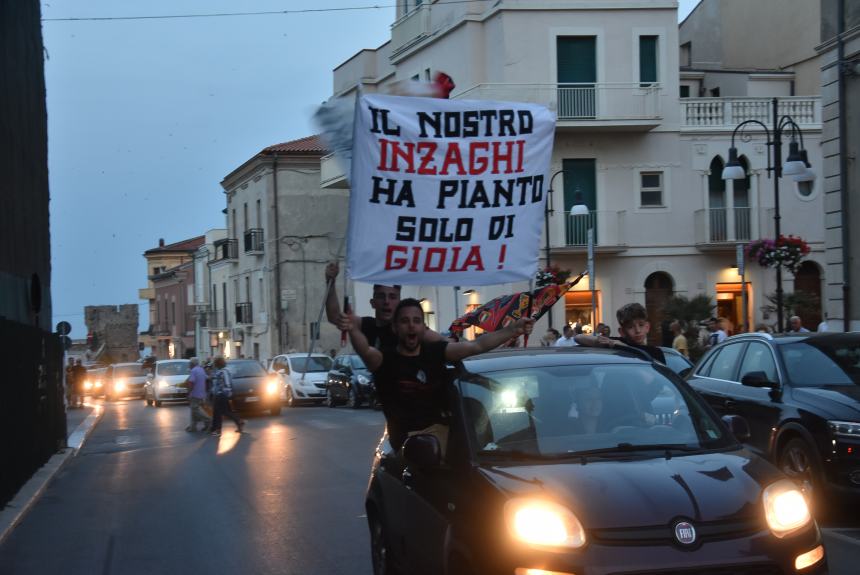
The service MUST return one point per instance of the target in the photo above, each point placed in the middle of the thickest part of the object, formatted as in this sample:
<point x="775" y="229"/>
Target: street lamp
<point x="796" y="165"/>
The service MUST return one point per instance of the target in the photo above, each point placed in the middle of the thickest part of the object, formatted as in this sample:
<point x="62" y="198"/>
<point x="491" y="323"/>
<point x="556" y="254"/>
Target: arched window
<point x="716" y="184"/>
<point x="659" y="287"/>
<point x="743" y="221"/>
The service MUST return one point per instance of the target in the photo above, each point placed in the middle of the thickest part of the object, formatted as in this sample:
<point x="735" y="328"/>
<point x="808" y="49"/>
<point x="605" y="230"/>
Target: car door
<point x="716" y="372"/>
<point x="760" y="406"/>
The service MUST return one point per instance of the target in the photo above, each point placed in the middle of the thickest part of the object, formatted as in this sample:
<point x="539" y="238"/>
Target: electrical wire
<point x="233" y="14"/>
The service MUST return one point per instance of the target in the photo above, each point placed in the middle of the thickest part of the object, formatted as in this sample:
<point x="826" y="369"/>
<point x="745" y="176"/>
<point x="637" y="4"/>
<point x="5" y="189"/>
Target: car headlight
<point x="785" y="508"/>
<point x="844" y="429"/>
<point x="119" y="386"/>
<point x="363" y="379"/>
<point x="99" y="383"/>
<point x="88" y="384"/>
<point x="543" y="524"/>
<point x="163" y="384"/>
<point x="272" y="386"/>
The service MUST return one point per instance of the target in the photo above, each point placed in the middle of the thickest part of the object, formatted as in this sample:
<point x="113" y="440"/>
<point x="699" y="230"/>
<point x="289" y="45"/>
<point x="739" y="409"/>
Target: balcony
<point x="608" y="228"/>
<point x="332" y="174"/>
<point x="410" y="29"/>
<point x="627" y="106"/>
<point x="254" y="241"/>
<point x="226" y="249"/>
<point x="146" y="293"/>
<point x="722" y="228"/>
<point x="244" y="313"/>
<point x="726" y="113"/>
<point x="213" y="320"/>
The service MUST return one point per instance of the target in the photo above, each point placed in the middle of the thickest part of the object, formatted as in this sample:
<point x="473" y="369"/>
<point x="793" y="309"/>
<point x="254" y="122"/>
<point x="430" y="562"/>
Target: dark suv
<point x="800" y="395"/>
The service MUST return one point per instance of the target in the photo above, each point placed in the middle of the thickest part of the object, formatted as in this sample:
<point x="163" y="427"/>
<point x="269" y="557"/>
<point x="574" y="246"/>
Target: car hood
<point x="248" y="384"/>
<point x="134" y="380"/>
<point x="624" y="492"/>
<point x="173" y="379"/>
<point x="310" y="377"/>
<point x="839" y="401"/>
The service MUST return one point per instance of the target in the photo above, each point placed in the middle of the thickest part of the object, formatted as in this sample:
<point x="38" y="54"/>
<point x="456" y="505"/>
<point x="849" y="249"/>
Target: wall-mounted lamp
<point x="469" y="292"/>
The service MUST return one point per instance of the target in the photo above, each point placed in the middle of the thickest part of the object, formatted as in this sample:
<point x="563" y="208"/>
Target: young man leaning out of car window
<point x="410" y="376"/>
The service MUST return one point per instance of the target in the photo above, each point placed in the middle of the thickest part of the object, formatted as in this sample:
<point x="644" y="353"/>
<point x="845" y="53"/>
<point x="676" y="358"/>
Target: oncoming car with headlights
<point x="253" y="388"/>
<point x="167" y="382"/>
<point x="94" y="382"/>
<point x="583" y="461"/>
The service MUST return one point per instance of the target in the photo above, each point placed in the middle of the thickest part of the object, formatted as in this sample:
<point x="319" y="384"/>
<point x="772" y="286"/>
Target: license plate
<point x="250" y="399"/>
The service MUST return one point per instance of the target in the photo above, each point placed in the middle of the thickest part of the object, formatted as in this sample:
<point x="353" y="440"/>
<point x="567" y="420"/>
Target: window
<point x="245" y="217"/>
<point x="427" y="74"/>
<point x="726" y="363"/>
<point x="686" y="54"/>
<point x="805" y="189"/>
<point x="715" y="92"/>
<point x="259" y="215"/>
<point x="647" y="60"/>
<point x="759" y="358"/>
<point x="685" y="91"/>
<point x="651" y="189"/>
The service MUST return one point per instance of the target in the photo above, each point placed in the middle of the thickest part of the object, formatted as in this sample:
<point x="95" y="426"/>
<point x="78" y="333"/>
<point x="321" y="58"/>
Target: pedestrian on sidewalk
<point x="79" y="376"/>
<point x="222" y="391"/>
<point x="197" y="396"/>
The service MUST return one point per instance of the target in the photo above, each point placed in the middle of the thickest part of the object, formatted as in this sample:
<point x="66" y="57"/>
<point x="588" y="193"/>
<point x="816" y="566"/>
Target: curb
<point x="36" y="485"/>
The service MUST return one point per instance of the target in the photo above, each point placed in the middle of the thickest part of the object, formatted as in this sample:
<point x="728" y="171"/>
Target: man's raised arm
<point x="488" y="341"/>
<point x="371" y="356"/>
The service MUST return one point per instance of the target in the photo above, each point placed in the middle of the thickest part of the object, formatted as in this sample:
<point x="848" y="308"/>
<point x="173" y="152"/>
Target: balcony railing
<point x="254" y="241"/>
<point x="607" y="226"/>
<point x="227" y="249"/>
<point x="411" y="28"/>
<point x="717" y="226"/>
<point x="213" y="319"/>
<point x="603" y="102"/>
<point x="244" y="313"/>
<point x="726" y="113"/>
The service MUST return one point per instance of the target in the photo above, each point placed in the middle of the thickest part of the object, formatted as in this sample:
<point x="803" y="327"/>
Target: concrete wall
<point x="116" y="328"/>
<point x="25" y="249"/>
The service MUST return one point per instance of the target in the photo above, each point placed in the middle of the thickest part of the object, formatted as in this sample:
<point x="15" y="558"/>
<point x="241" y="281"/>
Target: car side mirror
<point x="738" y="426"/>
<point x="422" y="451"/>
<point x="757" y="379"/>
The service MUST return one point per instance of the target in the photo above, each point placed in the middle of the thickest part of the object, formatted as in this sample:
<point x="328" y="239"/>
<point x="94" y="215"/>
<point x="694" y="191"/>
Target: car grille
<point x="664" y="534"/>
<point x="767" y="569"/>
<point x="320" y="385"/>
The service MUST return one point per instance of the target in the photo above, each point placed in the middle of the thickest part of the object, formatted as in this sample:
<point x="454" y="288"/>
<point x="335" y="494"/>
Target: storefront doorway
<point x="730" y="306"/>
<point x="577" y="309"/>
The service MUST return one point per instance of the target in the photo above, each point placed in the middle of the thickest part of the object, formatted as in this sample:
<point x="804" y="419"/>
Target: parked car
<point x="554" y="465"/>
<point x="801" y="397"/>
<point x="677" y="361"/>
<point x="349" y="382"/>
<point x="304" y="377"/>
<point x="254" y="388"/>
<point x="167" y="382"/>
<point x="124" y="380"/>
<point x="94" y="383"/>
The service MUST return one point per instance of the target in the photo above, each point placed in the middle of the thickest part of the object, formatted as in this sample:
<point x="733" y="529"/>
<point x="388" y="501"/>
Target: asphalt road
<point x="144" y="496"/>
<point x="286" y="497"/>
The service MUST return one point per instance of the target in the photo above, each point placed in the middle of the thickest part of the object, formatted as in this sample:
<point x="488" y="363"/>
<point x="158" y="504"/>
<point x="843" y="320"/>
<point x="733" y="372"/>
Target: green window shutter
<point x="577" y="59"/>
<point x="647" y="60"/>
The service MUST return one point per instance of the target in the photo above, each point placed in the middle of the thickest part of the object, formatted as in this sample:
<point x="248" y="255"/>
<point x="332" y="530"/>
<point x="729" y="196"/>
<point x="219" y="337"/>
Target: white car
<point x="302" y="385"/>
<point x="167" y="382"/>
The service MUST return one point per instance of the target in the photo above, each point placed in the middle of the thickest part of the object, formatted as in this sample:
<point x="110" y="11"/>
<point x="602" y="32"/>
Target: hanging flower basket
<point x="785" y="251"/>
<point x="551" y="275"/>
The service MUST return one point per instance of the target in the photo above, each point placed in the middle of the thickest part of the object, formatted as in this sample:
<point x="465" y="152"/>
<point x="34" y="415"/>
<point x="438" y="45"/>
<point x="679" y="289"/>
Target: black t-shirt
<point x="412" y="389"/>
<point x="378" y="336"/>
<point x="651" y="350"/>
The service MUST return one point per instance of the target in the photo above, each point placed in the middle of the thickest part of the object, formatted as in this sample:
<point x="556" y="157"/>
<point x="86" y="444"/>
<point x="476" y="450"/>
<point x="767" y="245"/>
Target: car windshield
<point x="573" y="410"/>
<point x="315" y="363"/>
<point x="676" y="362"/>
<point x="357" y="363"/>
<point x="815" y="362"/>
<point x="96" y="371"/>
<point x="132" y="370"/>
<point x="174" y="368"/>
<point x="245" y="369"/>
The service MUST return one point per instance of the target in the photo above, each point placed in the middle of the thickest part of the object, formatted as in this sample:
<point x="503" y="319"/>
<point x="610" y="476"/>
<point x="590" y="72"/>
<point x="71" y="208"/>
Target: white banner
<point x="447" y="192"/>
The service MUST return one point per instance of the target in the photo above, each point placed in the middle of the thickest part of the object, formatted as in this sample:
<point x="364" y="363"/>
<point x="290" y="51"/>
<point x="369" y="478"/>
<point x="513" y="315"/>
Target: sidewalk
<point x="79" y="424"/>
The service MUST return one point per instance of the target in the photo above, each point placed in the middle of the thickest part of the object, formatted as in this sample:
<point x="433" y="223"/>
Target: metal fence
<point x="32" y="411"/>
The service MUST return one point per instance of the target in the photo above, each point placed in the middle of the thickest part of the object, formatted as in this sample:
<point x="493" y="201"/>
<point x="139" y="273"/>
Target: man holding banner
<point x="410" y="377"/>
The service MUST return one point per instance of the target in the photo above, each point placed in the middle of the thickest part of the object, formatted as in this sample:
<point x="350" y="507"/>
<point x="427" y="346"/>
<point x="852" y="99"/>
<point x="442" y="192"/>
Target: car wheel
<point x="380" y="552"/>
<point x="352" y="401"/>
<point x="796" y="460"/>
<point x="275" y="410"/>
<point x="329" y="398"/>
<point x="291" y="401"/>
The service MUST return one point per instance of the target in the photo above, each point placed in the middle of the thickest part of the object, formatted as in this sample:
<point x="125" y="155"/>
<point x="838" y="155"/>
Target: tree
<point x="690" y="312"/>
<point x="798" y="303"/>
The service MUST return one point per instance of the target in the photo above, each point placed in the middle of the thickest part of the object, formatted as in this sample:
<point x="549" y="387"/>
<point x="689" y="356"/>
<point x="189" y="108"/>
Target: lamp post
<point x="796" y="165"/>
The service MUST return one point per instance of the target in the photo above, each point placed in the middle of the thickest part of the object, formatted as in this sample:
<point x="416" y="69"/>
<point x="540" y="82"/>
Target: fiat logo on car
<point x="685" y="533"/>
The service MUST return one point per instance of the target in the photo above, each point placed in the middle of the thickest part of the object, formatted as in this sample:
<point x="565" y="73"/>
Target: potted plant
<point x="785" y="251"/>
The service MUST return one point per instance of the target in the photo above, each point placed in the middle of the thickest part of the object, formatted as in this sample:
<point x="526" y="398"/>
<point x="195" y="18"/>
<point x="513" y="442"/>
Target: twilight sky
<point x="145" y="117"/>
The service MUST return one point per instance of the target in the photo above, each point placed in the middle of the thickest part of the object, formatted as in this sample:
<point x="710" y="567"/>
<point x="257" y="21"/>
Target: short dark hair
<point x="630" y="312"/>
<point x="404" y="303"/>
<point x="377" y="286"/>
